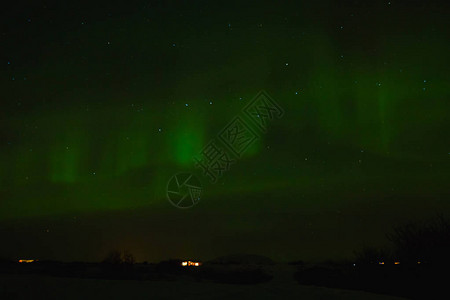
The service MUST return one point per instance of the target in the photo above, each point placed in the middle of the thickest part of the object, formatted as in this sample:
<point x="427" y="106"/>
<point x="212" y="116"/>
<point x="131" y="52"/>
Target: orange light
<point x="397" y="263"/>
<point x="190" y="263"/>
<point x="381" y="263"/>
<point x="26" y="261"/>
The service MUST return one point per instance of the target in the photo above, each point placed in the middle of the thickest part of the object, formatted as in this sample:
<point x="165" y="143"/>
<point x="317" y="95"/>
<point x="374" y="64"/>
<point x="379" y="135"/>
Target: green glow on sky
<point x="96" y="120"/>
<point x="187" y="142"/>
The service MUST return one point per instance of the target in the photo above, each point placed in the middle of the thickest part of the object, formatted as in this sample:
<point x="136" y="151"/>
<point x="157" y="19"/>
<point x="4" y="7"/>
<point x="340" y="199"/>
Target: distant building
<point x="189" y="263"/>
<point x="26" y="261"/>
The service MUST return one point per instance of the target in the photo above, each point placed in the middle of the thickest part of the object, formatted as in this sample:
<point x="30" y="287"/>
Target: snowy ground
<point x="42" y="287"/>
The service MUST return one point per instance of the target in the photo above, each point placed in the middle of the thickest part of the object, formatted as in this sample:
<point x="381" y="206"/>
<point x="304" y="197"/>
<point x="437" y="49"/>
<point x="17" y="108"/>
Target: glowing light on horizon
<point x="191" y="263"/>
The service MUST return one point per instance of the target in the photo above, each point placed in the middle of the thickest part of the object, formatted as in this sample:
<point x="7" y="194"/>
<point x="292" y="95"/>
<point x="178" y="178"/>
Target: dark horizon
<point x="88" y="234"/>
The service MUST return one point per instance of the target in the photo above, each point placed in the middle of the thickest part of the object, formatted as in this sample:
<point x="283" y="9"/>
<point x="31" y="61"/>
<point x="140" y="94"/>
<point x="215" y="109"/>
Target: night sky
<point x="101" y="103"/>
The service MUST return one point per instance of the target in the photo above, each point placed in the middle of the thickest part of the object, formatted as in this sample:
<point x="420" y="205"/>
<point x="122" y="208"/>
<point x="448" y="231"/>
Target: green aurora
<point x="101" y="106"/>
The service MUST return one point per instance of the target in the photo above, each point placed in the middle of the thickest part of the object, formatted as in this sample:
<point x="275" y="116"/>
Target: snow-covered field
<point x="42" y="287"/>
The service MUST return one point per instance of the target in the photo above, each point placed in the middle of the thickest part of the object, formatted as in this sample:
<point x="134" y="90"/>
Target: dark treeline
<point x="412" y="267"/>
<point x="121" y="265"/>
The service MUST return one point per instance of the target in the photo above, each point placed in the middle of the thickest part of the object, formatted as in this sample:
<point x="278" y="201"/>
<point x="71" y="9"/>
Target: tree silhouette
<point x="427" y="241"/>
<point x="115" y="257"/>
<point x="371" y="255"/>
<point x="128" y="258"/>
